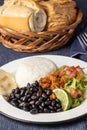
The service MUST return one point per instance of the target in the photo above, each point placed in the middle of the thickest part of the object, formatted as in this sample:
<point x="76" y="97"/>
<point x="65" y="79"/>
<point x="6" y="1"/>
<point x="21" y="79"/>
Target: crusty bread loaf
<point x="61" y="13"/>
<point x="37" y="15"/>
<point x="22" y="15"/>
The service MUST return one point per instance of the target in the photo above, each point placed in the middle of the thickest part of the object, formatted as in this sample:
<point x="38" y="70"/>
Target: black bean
<point x="21" y="98"/>
<point x="14" y="99"/>
<point x="58" y="105"/>
<point x="53" y="102"/>
<point x="33" y="97"/>
<point x="31" y="102"/>
<point x="55" y="108"/>
<point x="26" y="104"/>
<point x="40" y="111"/>
<point x="47" y="102"/>
<point x="17" y="90"/>
<point x="31" y="89"/>
<point x="50" y="107"/>
<point x="23" y="104"/>
<point x="24" y="98"/>
<point x="40" y="99"/>
<point x="45" y="110"/>
<point x="26" y="93"/>
<point x="35" y="89"/>
<point x="23" y="88"/>
<point x="42" y="104"/>
<point x="58" y="101"/>
<point x="29" y="99"/>
<point x="28" y="96"/>
<point x="39" y="93"/>
<point x="36" y="84"/>
<point x="37" y="102"/>
<point x="28" y="85"/>
<point x="14" y="103"/>
<point x="41" y="107"/>
<point x="34" y="111"/>
<point x="12" y="96"/>
<point x="33" y="105"/>
<point x="19" y="101"/>
<point x="59" y="110"/>
<point x="17" y="96"/>
<point x="13" y="90"/>
<point x="22" y="92"/>
<point x="44" y="95"/>
<point x="25" y="108"/>
<point x="48" y="92"/>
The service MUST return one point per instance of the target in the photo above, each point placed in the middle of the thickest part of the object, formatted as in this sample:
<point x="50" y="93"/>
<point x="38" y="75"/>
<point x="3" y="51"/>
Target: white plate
<point x="15" y="113"/>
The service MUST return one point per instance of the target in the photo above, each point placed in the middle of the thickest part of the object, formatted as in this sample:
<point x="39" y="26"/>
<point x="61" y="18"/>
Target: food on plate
<point x="22" y="15"/>
<point x="33" y="69"/>
<point x="7" y="83"/>
<point x="61" y="13"/>
<point x="35" y="99"/>
<point x="37" y="15"/>
<point x="71" y="79"/>
<point x="40" y="86"/>
<point x="61" y="76"/>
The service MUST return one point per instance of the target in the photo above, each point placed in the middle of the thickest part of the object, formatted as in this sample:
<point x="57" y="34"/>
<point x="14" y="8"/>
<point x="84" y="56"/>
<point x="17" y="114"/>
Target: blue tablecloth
<point x="7" y="55"/>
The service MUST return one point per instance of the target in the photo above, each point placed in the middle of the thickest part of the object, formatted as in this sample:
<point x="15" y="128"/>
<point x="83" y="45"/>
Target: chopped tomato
<point x="73" y="92"/>
<point x="61" y="71"/>
<point x="71" y="72"/>
<point x="79" y="72"/>
<point x="80" y="93"/>
<point x="79" y="76"/>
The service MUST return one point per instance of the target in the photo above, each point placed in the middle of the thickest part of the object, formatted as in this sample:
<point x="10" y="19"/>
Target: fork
<point x="82" y="38"/>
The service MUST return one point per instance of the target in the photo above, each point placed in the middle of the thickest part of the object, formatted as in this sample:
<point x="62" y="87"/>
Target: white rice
<point x="33" y="69"/>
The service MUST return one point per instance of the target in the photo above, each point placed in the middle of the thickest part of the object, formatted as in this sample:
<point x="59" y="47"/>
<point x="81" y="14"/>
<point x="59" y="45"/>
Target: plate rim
<point x="50" y="123"/>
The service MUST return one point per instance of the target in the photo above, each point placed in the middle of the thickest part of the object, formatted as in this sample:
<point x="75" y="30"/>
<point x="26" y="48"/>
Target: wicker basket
<point x="38" y="42"/>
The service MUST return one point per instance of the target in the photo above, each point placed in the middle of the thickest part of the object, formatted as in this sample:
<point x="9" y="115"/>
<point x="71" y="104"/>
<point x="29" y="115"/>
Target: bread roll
<point x="22" y="15"/>
<point x="61" y="13"/>
<point x="7" y="83"/>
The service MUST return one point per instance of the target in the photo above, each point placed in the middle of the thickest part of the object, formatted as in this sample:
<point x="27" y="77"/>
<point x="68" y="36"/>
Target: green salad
<point x="78" y="89"/>
<point x="75" y="86"/>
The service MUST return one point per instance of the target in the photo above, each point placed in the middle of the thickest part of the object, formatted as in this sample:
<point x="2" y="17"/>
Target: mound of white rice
<point x="33" y="69"/>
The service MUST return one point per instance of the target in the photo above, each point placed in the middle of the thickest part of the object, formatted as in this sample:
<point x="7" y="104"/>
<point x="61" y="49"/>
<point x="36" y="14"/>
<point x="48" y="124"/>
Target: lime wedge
<point x="64" y="97"/>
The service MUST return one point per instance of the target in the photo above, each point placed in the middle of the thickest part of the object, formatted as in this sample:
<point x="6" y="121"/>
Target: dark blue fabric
<point x="77" y="50"/>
